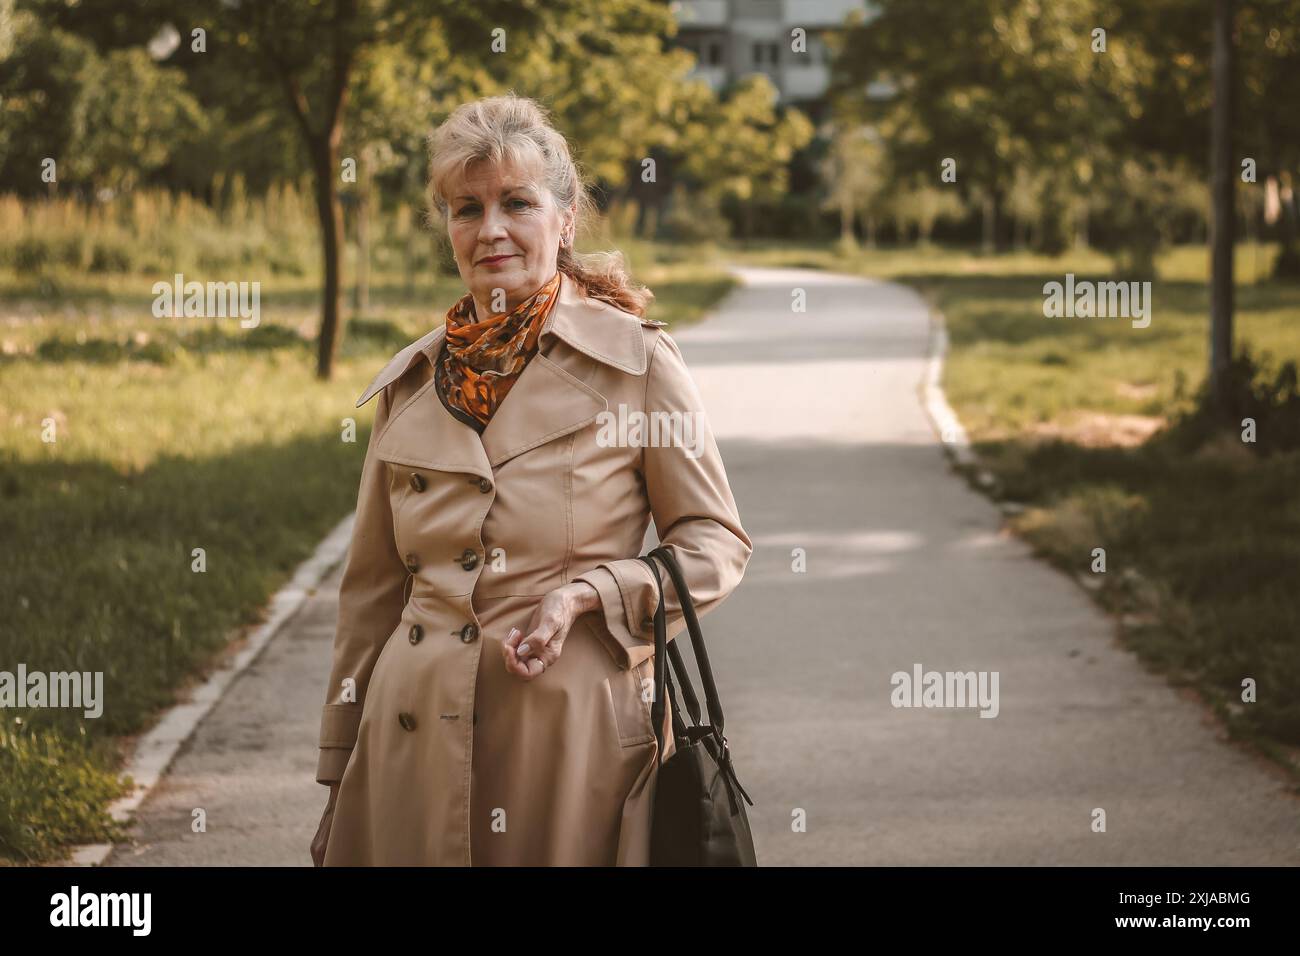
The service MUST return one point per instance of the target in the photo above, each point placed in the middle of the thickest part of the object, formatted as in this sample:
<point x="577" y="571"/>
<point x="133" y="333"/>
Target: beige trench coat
<point x="443" y="758"/>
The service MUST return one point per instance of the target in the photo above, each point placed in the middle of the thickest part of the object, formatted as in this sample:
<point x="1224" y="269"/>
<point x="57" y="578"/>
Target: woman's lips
<point x="493" y="260"/>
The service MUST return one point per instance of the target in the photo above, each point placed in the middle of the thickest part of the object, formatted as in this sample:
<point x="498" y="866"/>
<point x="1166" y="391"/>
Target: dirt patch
<point x="1137" y="391"/>
<point x="1099" y="430"/>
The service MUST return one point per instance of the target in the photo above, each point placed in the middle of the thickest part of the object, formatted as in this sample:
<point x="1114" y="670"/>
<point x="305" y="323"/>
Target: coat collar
<point x="592" y="327"/>
<point x="547" y="401"/>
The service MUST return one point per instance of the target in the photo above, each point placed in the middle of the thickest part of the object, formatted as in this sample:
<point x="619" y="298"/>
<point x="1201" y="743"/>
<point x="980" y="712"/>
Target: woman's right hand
<point x="321" y="840"/>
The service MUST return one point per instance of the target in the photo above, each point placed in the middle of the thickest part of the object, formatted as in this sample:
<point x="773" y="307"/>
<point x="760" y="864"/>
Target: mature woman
<point x="489" y="701"/>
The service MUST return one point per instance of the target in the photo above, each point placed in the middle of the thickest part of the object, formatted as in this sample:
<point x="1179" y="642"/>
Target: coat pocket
<point x="630" y="692"/>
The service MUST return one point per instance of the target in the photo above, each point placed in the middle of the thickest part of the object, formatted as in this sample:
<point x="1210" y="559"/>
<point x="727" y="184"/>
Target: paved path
<point x="829" y="450"/>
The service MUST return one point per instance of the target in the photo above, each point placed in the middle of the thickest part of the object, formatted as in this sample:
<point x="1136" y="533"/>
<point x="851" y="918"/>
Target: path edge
<point x="952" y="434"/>
<point x="155" y="750"/>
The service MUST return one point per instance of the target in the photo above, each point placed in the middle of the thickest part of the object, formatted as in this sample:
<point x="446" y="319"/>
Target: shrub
<point x="50" y="790"/>
<point x="1254" y="390"/>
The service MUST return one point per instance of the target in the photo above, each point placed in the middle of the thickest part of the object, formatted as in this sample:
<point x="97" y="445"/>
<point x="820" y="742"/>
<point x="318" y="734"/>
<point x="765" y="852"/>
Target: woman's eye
<point x="518" y="203"/>
<point x="466" y="210"/>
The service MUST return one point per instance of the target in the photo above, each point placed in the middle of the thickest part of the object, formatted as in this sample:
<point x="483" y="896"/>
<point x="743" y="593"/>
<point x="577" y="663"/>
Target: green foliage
<point x="694" y="219"/>
<point x="150" y="232"/>
<point x="738" y="146"/>
<point x="110" y="120"/>
<point x="1256" y="389"/>
<point x="1287" y="264"/>
<point x="52" y="787"/>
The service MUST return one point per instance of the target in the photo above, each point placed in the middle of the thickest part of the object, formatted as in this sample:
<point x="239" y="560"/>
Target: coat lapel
<point x="549" y="400"/>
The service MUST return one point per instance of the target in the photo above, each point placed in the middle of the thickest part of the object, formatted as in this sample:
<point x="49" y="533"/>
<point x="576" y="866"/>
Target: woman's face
<point x="505" y="229"/>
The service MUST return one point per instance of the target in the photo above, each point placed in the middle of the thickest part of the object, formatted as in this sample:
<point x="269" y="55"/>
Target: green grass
<point x="173" y="435"/>
<point x="1201" y="531"/>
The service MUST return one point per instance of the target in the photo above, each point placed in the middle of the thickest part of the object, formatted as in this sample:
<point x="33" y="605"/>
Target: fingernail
<point x="523" y="649"/>
<point x="513" y="632"/>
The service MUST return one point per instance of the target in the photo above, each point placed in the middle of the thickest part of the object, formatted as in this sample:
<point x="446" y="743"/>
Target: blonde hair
<point x="516" y="129"/>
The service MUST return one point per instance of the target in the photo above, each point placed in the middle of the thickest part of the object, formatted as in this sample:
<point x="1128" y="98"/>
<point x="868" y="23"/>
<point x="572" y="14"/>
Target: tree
<point x="1222" y="222"/>
<point x="108" y="120"/>
<point x="992" y="86"/>
<point x="310" y="52"/>
<point x="856" y="177"/>
<point x="737" y="146"/>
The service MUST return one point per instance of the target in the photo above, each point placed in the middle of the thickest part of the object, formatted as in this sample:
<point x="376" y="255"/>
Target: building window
<point x="713" y="53"/>
<point x="765" y="53"/>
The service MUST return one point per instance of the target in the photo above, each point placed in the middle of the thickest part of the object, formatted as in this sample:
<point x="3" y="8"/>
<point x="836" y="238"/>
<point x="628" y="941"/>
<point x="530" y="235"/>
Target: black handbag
<point x="698" y="819"/>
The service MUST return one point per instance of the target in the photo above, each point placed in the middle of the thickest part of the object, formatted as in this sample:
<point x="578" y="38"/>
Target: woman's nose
<point x="493" y="227"/>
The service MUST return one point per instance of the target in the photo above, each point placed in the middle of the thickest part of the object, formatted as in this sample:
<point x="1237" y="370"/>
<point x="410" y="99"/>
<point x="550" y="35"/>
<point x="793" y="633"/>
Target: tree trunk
<point x="1222" y="209"/>
<point x="361" y="287"/>
<point x="331" y="224"/>
<point x="990" y="224"/>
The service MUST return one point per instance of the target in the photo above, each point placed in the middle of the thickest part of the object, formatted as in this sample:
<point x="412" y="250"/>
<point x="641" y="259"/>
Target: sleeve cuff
<point x="339" y="724"/>
<point x="331" y="764"/>
<point x="627" y="646"/>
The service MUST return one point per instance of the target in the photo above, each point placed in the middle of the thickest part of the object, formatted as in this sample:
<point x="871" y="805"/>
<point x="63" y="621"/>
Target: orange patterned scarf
<point x="481" y="361"/>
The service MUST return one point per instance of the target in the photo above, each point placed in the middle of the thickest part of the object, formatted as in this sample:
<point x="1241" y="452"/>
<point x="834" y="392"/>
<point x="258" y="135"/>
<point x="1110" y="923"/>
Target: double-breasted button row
<point x="407" y="720"/>
<point x="483" y="484"/>
<point x="468" y="633"/>
<point x="417" y="481"/>
<point x="468" y="559"/>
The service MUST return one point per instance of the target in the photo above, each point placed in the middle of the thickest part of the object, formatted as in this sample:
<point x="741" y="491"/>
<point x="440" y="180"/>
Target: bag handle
<point x="668" y="656"/>
<point x="672" y="660"/>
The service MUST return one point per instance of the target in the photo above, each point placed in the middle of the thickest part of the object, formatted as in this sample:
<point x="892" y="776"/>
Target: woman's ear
<point x="566" y="233"/>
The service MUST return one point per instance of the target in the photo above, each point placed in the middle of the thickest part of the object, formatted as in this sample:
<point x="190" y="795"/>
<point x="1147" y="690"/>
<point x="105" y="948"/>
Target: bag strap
<point x="711" y="700"/>
<point x="668" y="657"/>
<point x="711" y="735"/>
<point x="661" y="672"/>
<point x="688" y="692"/>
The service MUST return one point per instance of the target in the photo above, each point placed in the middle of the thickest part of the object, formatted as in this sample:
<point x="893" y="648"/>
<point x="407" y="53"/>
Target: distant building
<point x="734" y="38"/>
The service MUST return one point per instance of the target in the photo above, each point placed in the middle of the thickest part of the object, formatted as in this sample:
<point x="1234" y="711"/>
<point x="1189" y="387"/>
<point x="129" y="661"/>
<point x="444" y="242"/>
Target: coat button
<point x="484" y="485"/>
<point x="417" y="481"/>
<point x="469" y="633"/>
<point x="412" y="563"/>
<point x="416" y="633"/>
<point x="647" y="622"/>
<point x="468" y="559"/>
<point x="406" y="720"/>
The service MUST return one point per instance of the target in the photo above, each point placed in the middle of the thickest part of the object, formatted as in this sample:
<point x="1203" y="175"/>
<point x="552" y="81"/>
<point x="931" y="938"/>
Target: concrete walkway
<point x="829" y="450"/>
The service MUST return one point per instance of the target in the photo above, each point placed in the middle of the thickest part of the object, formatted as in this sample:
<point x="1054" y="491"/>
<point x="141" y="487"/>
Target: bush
<point x="109" y="257"/>
<point x="50" y="790"/>
<point x="1287" y="264"/>
<point x="695" y="218"/>
<point x="1256" y="391"/>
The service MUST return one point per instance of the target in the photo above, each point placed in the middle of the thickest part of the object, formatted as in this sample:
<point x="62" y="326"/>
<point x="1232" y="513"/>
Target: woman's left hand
<point x="530" y="652"/>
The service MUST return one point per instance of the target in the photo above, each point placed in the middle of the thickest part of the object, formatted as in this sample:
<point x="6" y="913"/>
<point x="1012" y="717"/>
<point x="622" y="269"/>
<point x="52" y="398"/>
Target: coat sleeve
<point x="371" y="599"/>
<point x="694" y="513"/>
